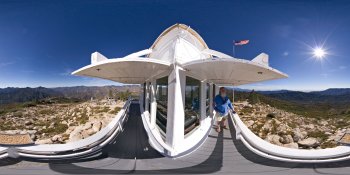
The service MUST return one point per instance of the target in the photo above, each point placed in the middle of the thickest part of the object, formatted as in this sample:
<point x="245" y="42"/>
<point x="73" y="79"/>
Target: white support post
<point x="211" y="99"/>
<point x="153" y="103"/>
<point x="176" y="114"/>
<point x="233" y="95"/>
<point x="147" y="97"/>
<point x="217" y="89"/>
<point x="203" y="105"/>
<point x="141" y="95"/>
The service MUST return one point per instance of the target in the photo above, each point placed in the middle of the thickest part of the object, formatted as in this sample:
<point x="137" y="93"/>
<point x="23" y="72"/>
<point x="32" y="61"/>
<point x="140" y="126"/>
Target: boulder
<point x="86" y="133"/>
<point x="291" y="145"/>
<point x="267" y="126"/>
<point x="45" y="141"/>
<point x="298" y="134"/>
<point x="57" y="138"/>
<point x="323" y="122"/>
<point x="89" y="132"/>
<point x="309" y="142"/>
<point x="87" y="125"/>
<point x="283" y="129"/>
<point x="274" y="139"/>
<point x="286" y="139"/>
<point x="75" y="137"/>
<point x="337" y="135"/>
<point x="28" y="122"/>
<point x="76" y="134"/>
<point x="96" y="126"/>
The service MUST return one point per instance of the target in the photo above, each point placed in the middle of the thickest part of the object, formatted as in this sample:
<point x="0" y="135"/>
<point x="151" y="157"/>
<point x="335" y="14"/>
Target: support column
<point x="211" y="99"/>
<point x="217" y="89"/>
<point x="147" y="97"/>
<point x="176" y="115"/>
<point x="233" y="94"/>
<point x="203" y="105"/>
<point x="141" y="95"/>
<point x="153" y="103"/>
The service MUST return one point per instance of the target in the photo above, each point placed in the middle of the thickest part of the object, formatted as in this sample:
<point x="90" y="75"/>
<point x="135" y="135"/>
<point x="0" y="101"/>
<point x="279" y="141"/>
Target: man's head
<point x="222" y="92"/>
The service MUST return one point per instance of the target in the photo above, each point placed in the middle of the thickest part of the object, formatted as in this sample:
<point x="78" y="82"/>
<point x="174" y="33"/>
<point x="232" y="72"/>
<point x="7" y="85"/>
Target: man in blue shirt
<point x="221" y="106"/>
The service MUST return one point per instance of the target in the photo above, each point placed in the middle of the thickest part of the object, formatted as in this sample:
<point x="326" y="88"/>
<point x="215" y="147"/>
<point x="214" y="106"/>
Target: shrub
<point x="46" y="112"/>
<point x="115" y="110"/>
<point x="271" y="115"/>
<point x="318" y="134"/>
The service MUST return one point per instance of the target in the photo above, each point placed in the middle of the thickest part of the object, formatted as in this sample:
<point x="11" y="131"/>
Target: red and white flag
<point x="240" y="42"/>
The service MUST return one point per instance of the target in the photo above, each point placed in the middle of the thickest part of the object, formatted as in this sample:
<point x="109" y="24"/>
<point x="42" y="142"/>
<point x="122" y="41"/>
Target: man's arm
<point x="230" y="105"/>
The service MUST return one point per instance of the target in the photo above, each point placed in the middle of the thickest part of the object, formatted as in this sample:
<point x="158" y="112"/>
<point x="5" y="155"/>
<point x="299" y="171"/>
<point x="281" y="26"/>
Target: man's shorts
<point x="220" y="116"/>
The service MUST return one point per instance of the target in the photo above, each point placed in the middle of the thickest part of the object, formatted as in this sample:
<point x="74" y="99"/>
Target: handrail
<point x="275" y="152"/>
<point x="152" y="131"/>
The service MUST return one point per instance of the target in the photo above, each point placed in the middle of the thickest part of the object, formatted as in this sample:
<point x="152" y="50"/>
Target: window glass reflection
<point x="192" y="104"/>
<point x="162" y="102"/>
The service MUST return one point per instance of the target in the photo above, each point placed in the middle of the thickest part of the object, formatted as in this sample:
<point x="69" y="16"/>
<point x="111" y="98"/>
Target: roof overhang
<point x="232" y="71"/>
<point x="125" y="70"/>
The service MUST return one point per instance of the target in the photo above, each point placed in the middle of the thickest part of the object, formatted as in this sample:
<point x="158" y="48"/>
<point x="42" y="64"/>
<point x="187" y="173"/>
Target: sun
<point x="319" y="53"/>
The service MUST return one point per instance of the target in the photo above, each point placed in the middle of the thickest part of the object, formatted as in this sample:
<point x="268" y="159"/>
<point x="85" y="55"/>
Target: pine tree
<point x="253" y="98"/>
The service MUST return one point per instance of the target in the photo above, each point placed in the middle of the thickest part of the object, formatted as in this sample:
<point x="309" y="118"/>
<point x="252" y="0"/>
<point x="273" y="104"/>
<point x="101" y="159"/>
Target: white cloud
<point x="284" y="31"/>
<point x="66" y="72"/>
<point x="342" y="67"/>
<point x="6" y="64"/>
<point x="285" y="53"/>
<point x="324" y="75"/>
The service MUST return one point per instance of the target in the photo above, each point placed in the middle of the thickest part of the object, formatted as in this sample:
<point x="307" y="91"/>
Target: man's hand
<point x="233" y="111"/>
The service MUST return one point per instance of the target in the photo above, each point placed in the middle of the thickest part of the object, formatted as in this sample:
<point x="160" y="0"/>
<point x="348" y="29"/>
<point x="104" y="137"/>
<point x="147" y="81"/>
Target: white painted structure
<point x="179" y="76"/>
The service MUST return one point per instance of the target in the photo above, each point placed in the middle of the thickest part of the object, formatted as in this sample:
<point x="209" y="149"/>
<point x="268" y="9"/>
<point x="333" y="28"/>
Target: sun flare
<point x="319" y="53"/>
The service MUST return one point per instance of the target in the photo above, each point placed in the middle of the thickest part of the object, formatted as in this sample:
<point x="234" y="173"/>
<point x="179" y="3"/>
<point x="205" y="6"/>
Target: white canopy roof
<point x="232" y="71"/>
<point x="125" y="70"/>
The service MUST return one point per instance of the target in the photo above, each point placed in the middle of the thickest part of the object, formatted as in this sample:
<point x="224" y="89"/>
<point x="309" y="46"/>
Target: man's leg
<point x="223" y="123"/>
<point x="218" y="119"/>
<point x="218" y="127"/>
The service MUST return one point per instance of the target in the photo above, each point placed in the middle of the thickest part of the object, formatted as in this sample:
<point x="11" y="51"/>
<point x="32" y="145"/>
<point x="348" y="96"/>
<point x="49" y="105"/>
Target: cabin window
<point x="192" y="104"/>
<point x="162" y="102"/>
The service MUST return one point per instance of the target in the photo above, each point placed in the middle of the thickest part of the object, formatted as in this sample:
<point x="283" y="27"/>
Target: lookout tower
<point x="179" y="76"/>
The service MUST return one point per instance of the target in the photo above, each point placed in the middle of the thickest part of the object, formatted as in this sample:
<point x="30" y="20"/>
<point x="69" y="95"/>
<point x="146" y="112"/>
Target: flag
<point x="241" y="42"/>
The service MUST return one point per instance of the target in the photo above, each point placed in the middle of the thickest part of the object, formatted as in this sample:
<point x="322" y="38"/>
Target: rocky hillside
<point x="57" y="121"/>
<point x="291" y="130"/>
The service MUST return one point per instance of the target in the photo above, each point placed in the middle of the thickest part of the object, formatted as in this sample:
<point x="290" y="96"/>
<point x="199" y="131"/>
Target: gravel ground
<point x="6" y="139"/>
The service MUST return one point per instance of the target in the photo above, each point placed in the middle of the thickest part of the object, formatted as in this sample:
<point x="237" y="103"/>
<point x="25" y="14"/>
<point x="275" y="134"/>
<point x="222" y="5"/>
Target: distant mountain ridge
<point x="19" y="95"/>
<point x="332" y="95"/>
<point x="334" y="91"/>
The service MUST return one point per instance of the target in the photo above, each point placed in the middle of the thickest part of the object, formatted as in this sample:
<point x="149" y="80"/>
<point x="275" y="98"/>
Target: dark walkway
<point x="131" y="153"/>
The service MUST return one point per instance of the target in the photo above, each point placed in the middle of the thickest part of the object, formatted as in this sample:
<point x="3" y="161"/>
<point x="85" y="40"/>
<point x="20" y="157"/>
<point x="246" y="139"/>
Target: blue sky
<point x="41" y="42"/>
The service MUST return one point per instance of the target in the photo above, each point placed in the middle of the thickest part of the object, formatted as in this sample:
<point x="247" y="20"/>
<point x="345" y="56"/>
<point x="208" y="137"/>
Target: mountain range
<point x="332" y="95"/>
<point x="20" y="95"/>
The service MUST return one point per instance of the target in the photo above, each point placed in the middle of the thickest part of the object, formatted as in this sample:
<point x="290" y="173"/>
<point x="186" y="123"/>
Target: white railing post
<point x="147" y="97"/>
<point x="211" y="98"/>
<point x="203" y="105"/>
<point x="153" y="103"/>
